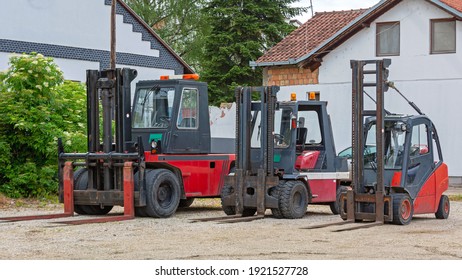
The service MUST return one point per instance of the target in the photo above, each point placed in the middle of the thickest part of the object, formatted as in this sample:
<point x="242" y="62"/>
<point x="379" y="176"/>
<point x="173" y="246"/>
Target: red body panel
<point x="203" y="175"/>
<point x="429" y="196"/>
<point x="324" y="190"/>
<point x="307" y="160"/>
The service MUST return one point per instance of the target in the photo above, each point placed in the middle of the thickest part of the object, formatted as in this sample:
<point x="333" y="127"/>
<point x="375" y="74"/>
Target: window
<point x="443" y="36"/>
<point x="153" y="107"/>
<point x="282" y="129"/>
<point x="187" y="116"/>
<point x="310" y="120"/>
<point x="419" y="141"/>
<point x="387" y="39"/>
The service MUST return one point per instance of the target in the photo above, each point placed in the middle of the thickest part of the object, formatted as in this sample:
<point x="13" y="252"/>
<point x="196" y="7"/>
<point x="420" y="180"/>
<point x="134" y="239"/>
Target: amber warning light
<point x="312" y="95"/>
<point x="293" y="96"/>
<point x="181" y="77"/>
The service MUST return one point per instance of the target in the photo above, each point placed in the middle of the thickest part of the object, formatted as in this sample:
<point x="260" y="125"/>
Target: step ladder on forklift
<point x="351" y="201"/>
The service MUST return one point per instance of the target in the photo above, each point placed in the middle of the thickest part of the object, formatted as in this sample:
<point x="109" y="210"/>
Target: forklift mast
<point x="106" y="153"/>
<point x="254" y="175"/>
<point x="357" y="197"/>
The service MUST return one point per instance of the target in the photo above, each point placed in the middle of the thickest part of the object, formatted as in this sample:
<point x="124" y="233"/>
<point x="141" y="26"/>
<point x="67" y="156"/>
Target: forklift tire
<point x="185" y="203"/>
<point x="335" y="206"/>
<point x="293" y="200"/>
<point x="139" y="211"/>
<point x="403" y="208"/>
<point x="248" y="212"/>
<point x="81" y="183"/>
<point x="225" y="191"/>
<point x="162" y="193"/>
<point x="443" y="208"/>
<point x="274" y="192"/>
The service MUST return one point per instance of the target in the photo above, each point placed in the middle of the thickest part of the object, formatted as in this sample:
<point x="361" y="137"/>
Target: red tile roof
<point x="456" y="4"/>
<point x="316" y="33"/>
<point x="310" y="35"/>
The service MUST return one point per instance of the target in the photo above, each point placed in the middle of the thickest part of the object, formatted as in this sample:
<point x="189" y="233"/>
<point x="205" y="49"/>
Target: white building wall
<point x="433" y="82"/>
<point x="77" y="35"/>
<point x="83" y="23"/>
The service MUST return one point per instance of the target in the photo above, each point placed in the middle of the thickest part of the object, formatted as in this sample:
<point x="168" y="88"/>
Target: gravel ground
<point x="178" y="238"/>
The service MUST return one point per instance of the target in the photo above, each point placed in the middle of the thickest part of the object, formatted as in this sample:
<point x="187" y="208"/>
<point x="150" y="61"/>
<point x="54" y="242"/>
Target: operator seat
<point x="188" y="123"/>
<point x="302" y="132"/>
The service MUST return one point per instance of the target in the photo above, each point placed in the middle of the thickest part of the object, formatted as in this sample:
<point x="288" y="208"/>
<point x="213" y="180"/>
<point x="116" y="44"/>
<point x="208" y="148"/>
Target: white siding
<point x="433" y="82"/>
<point x="83" y="23"/>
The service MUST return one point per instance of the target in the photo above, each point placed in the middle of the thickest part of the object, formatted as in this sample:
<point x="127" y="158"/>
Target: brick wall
<point x="289" y="76"/>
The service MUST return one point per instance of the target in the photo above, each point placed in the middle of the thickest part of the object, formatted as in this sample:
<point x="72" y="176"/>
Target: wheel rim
<point x="446" y="206"/>
<point x="297" y="201"/>
<point x="405" y="209"/>
<point x="164" y="195"/>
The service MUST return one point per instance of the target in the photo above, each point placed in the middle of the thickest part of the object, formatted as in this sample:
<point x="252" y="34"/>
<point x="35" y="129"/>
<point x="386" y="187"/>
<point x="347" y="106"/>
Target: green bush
<point x="36" y="107"/>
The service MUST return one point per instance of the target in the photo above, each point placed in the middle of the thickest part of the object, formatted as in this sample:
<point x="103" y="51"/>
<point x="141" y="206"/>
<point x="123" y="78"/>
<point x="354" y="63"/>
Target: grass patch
<point x="455" y="197"/>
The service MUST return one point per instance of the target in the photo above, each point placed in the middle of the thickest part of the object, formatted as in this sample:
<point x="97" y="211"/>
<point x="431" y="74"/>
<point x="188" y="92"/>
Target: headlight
<point x="154" y="144"/>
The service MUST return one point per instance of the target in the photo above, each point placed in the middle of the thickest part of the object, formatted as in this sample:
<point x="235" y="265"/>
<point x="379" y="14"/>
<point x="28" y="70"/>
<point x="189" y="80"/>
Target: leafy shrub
<point x="36" y="107"/>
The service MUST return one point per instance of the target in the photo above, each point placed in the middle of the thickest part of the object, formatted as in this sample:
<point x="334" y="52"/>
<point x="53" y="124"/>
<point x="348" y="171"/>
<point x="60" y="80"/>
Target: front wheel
<point x="227" y="190"/>
<point x="443" y="208"/>
<point x="403" y="209"/>
<point x="163" y="193"/>
<point x="335" y="206"/>
<point x="293" y="200"/>
<point x="81" y="183"/>
<point x="185" y="203"/>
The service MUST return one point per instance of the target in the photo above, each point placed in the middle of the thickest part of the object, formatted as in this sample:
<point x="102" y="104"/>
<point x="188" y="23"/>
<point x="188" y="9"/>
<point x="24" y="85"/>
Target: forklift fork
<point x="68" y="186"/>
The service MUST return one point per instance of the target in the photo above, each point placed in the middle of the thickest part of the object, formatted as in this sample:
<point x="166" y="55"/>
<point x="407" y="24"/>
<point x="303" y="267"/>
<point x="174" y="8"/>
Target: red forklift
<point x="397" y="166"/>
<point x="165" y="137"/>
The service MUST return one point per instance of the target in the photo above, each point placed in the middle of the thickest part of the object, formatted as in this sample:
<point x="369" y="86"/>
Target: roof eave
<point x="358" y="20"/>
<point x="188" y="69"/>
<point x="447" y="8"/>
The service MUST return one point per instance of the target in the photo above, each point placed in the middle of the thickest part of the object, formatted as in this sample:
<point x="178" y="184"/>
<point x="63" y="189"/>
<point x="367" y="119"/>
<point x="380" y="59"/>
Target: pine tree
<point x="240" y="32"/>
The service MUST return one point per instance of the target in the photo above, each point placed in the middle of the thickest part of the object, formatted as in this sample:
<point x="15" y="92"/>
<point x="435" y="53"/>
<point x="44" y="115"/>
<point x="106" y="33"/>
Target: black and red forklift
<point x="165" y="135"/>
<point x="285" y="157"/>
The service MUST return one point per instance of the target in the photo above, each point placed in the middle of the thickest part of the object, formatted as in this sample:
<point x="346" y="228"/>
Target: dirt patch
<point x="269" y="238"/>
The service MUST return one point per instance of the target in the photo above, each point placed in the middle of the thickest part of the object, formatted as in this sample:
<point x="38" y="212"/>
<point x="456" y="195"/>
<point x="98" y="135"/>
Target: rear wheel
<point x="163" y="193"/>
<point x="443" y="208"/>
<point x="403" y="209"/>
<point x="81" y="183"/>
<point x="225" y="191"/>
<point x="293" y="200"/>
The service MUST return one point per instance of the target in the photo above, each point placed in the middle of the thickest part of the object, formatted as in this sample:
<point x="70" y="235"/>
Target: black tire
<point x="274" y="192"/>
<point x="443" y="208"/>
<point x="225" y="191"/>
<point x="335" y="206"/>
<point x="185" y="203"/>
<point x="162" y="193"/>
<point x="247" y="212"/>
<point x="139" y="211"/>
<point x="81" y="183"/>
<point x="403" y="208"/>
<point x="293" y="200"/>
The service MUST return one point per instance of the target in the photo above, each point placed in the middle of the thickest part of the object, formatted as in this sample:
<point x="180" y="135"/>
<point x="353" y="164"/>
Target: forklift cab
<point x="171" y="116"/>
<point x="412" y="152"/>
<point x="303" y="138"/>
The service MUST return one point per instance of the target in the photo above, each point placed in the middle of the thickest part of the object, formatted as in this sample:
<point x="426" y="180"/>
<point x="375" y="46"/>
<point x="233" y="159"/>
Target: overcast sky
<point x="333" y="5"/>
